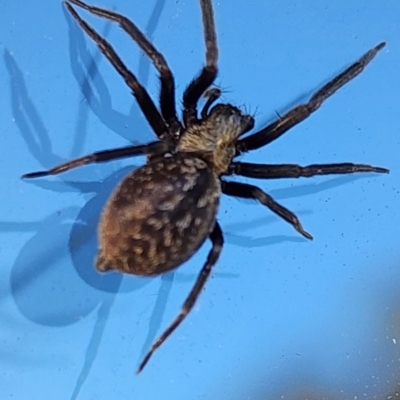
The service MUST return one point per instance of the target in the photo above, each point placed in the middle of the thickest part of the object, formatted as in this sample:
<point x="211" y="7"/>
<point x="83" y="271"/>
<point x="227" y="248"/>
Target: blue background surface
<point x="281" y="317"/>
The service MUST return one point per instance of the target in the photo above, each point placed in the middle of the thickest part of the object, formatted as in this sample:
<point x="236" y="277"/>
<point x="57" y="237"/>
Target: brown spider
<point x="162" y="212"/>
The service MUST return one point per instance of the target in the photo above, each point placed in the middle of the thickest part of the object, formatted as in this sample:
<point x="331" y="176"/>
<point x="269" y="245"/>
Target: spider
<point x="161" y="213"/>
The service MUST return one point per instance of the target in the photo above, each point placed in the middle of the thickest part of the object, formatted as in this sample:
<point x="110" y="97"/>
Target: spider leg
<point x="144" y="100"/>
<point x="217" y="240"/>
<point x="302" y="111"/>
<point x="167" y="94"/>
<point x="154" y="148"/>
<point x="273" y="171"/>
<point x="211" y="95"/>
<point x="243" y="190"/>
<point x="208" y="74"/>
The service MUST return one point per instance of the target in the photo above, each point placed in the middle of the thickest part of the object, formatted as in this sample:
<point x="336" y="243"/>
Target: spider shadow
<point x="39" y="265"/>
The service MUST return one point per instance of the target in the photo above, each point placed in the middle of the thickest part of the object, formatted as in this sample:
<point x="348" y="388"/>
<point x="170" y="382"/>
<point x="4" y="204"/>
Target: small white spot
<point x="185" y="222"/>
<point x="155" y="222"/>
<point x="203" y="201"/>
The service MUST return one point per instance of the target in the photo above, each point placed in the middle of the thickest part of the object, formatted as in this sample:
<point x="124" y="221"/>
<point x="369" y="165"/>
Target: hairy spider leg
<point x="246" y="191"/>
<point x="154" y="148"/>
<point x="302" y="111"/>
<point x="144" y="100"/>
<point x="217" y="240"/>
<point x="209" y="72"/>
<point x="212" y="95"/>
<point x="274" y="171"/>
<point x="167" y="93"/>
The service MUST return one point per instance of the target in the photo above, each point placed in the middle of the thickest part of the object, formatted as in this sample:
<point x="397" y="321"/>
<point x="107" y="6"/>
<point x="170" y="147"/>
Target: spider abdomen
<point x="158" y="216"/>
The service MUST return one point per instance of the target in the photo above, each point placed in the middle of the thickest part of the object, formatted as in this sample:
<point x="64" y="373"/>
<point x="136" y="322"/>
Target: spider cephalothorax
<point x="215" y="136"/>
<point x="162" y="212"/>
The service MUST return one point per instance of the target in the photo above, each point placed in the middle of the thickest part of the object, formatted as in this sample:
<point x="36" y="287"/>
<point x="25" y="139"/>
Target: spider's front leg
<point x="303" y="111"/>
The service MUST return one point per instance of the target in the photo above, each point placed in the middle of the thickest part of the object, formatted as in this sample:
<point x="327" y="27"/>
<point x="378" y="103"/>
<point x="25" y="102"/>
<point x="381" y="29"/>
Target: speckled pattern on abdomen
<point x="158" y="216"/>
